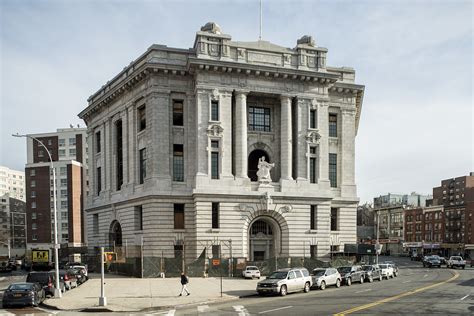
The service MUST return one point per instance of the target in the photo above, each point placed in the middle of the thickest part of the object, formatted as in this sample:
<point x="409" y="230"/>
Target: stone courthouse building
<point x="245" y="149"/>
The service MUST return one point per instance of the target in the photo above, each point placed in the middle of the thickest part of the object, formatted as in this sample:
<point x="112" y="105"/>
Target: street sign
<point x="216" y="262"/>
<point x="40" y="256"/>
<point x="378" y="248"/>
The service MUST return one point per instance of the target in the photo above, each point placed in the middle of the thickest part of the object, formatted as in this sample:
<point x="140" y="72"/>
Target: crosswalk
<point x="237" y="310"/>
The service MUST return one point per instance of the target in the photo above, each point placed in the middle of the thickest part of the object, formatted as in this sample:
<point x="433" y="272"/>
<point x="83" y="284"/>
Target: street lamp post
<point x="57" y="290"/>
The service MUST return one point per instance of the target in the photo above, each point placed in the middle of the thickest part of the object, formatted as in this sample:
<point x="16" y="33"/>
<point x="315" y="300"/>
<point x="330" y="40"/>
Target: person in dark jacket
<point x="184" y="282"/>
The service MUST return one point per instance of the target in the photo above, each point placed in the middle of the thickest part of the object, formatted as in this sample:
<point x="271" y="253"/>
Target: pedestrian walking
<point x="184" y="282"/>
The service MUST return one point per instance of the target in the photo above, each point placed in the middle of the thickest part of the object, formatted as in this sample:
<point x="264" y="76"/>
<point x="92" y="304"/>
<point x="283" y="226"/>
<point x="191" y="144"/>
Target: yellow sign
<point x="40" y="256"/>
<point x="110" y="256"/>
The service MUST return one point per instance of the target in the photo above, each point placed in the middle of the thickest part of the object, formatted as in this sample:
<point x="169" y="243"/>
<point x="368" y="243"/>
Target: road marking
<point x="2" y="278"/>
<point x="48" y="311"/>
<point x="425" y="275"/>
<point x="202" y="308"/>
<point x="241" y="310"/>
<point x="406" y="281"/>
<point x="465" y="297"/>
<point x="364" y="291"/>
<point x="171" y="312"/>
<point x="392" y="298"/>
<point x="276" y="309"/>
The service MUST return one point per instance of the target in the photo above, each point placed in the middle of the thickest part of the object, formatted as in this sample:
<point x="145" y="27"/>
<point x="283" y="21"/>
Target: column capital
<point x="285" y="96"/>
<point x="348" y="112"/>
<point x="241" y="92"/>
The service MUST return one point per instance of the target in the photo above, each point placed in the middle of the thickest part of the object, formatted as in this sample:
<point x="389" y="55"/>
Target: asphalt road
<point x="414" y="291"/>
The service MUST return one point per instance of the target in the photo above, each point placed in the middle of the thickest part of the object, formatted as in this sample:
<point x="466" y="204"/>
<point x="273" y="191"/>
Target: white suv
<point x="324" y="277"/>
<point x="456" y="261"/>
<point x="386" y="270"/>
<point x="251" y="272"/>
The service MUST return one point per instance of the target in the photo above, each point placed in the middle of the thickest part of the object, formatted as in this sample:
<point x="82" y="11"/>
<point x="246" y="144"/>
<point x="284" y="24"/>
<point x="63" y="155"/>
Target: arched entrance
<point x="264" y="234"/>
<point x="253" y="163"/>
<point x="115" y="234"/>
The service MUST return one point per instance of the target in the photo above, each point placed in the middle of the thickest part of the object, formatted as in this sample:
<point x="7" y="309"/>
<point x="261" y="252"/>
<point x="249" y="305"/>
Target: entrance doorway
<point x="115" y="234"/>
<point x="262" y="240"/>
<point x="253" y="163"/>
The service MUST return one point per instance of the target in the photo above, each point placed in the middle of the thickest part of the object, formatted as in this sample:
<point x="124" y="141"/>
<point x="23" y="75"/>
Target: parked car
<point x="431" y="262"/>
<point x="394" y="266"/>
<point x="69" y="278"/>
<point x="251" y="272"/>
<point x="351" y="274"/>
<point x="325" y="277"/>
<point x="81" y="268"/>
<point x="46" y="280"/>
<point x="372" y="272"/>
<point x="386" y="270"/>
<point x="285" y="281"/>
<point x="456" y="261"/>
<point x="80" y="276"/>
<point x="23" y="294"/>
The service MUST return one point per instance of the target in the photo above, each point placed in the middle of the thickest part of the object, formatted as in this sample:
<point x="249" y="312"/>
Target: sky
<point x="415" y="59"/>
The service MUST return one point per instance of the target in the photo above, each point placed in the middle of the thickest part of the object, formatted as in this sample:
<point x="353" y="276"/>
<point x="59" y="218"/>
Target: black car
<point x="23" y="294"/>
<point x="372" y="272"/>
<point x="431" y="262"/>
<point x="351" y="274"/>
<point x="46" y="280"/>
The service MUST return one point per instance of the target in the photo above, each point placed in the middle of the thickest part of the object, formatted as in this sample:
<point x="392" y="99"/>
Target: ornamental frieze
<point x="313" y="137"/>
<point x="215" y="130"/>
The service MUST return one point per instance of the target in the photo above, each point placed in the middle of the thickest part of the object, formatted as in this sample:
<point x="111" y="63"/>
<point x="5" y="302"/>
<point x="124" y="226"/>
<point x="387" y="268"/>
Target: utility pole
<point x="102" y="298"/>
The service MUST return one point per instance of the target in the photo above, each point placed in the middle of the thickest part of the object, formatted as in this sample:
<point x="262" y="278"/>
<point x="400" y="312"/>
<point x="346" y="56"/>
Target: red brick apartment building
<point x="68" y="152"/>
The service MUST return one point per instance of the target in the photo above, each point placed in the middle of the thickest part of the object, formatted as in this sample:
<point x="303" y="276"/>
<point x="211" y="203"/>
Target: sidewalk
<point x="126" y="294"/>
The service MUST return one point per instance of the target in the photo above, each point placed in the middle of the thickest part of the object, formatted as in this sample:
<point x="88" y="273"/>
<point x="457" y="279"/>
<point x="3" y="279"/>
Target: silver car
<point x="286" y="281"/>
<point x="324" y="277"/>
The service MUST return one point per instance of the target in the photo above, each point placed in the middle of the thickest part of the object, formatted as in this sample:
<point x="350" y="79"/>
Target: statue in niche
<point x="263" y="172"/>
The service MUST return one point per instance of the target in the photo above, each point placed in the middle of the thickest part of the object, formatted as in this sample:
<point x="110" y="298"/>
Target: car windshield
<point x="344" y="269"/>
<point x="278" y="275"/>
<point x="367" y="268"/>
<point x="252" y="268"/>
<point x="456" y="258"/>
<point x="383" y="266"/>
<point x="318" y="273"/>
<point x="20" y="287"/>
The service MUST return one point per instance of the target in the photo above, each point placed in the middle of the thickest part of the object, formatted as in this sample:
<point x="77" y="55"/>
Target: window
<point x="72" y="141"/>
<point x="64" y="193"/>
<point x="178" y="113"/>
<point x="334" y="219"/>
<point x="95" y="223"/>
<point x="33" y="183"/>
<point x="64" y="226"/>
<point x="40" y="153"/>
<point x="178" y="216"/>
<point x="34" y="237"/>
<point x="215" y="165"/>
<point x="62" y="142"/>
<point x="119" y="154"/>
<point x="63" y="204"/>
<point x="313" y="250"/>
<point x="332" y="125"/>
<point x="312" y="119"/>
<point x="312" y="170"/>
<point x="33" y="226"/>
<point x="33" y="204"/>
<point x="215" y="215"/>
<point x="33" y="215"/>
<point x="178" y="163"/>
<point x="313" y="217"/>
<point x="32" y="172"/>
<point x="214" y="111"/>
<point x="72" y="152"/>
<point x="99" y="180"/>
<point x="333" y="170"/>
<point x="65" y="237"/>
<point x="97" y="142"/>
<point x="50" y="142"/>
<point x="62" y="171"/>
<point x="33" y="194"/>
<point x="138" y="217"/>
<point x="142" y="165"/>
<point x="259" y="119"/>
<point x="64" y="182"/>
<point x="141" y="118"/>
<point x="62" y="153"/>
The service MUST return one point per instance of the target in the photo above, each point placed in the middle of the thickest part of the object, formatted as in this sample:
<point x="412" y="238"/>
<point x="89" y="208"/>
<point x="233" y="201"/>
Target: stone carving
<point x="314" y="104"/>
<point x="215" y="130"/>
<point x="266" y="201"/>
<point x="306" y="39"/>
<point x="214" y="50"/>
<point x="215" y="95"/>
<point x="313" y="137"/>
<point x="263" y="172"/>
<point x="241" y="52"/>
<point x="211" y="27"/>
<point x="286" y="209"/>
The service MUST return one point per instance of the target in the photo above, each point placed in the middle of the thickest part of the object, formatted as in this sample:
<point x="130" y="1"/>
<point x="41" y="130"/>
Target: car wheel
<point x="338" y="283"/>
<point x="361" y="280"/>
<point x="259" y="278"/>
<point x="395" y="274"/>
<point x="283" y="290"/>
<point x="260" y="293"/>
<point x="380" y="277"/>
<point x="371" y="279"/>
<point x="323" y="285"/>
<point x="463" y="267"/>
<point x="349" y="282"/>
<point x="306" y="287"/>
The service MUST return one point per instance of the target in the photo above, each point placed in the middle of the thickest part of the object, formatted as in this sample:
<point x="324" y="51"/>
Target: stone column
<point x="92" y="173"/>
<point x="202" y="122"/>
<point x="225" y="112"/>
<point x="323" y="128"/>
<point x="131" y="143"/>
<point x="159" y="155"/>
<point x="286" y="138"/>
<point x="241" y="134"/>
<point x="125" y="161"/>
<point x="108" y="157"/>
<point x="301" y="130"/>
<point x="347" y="152"/>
